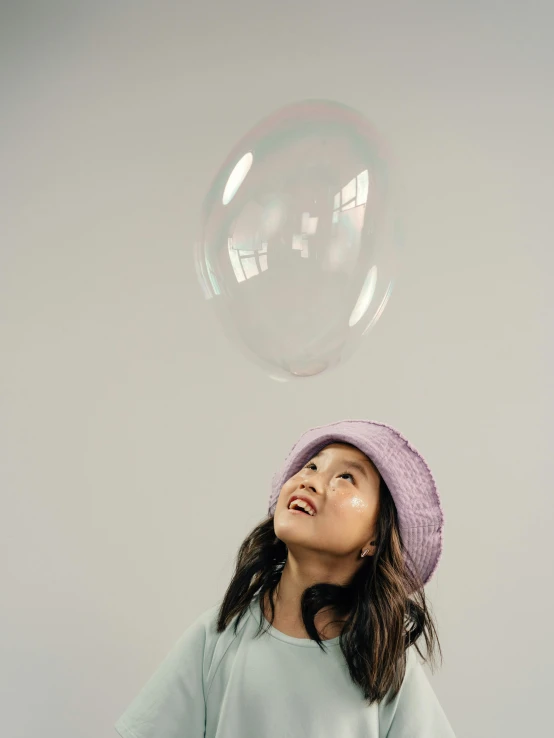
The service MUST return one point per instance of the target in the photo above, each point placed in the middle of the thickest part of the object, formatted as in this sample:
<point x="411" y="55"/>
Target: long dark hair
<point x="385" y="602"/>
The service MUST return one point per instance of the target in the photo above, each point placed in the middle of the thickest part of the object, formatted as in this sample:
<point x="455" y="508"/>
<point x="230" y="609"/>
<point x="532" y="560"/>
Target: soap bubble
<point x="300" y="237"/>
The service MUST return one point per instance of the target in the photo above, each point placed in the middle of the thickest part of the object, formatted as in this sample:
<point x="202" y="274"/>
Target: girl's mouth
<point x="301" y="512"/>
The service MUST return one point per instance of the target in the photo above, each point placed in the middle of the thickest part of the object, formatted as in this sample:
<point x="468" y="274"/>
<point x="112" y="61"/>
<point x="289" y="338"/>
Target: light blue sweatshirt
<point x="218" y="685"/>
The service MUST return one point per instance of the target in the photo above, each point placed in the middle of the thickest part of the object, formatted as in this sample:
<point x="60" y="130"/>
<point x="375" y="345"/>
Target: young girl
<point x="317" y="632"/>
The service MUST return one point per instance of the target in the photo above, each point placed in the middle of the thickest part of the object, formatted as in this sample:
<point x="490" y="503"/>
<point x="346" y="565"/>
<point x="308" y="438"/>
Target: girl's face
<point x="343" y="485"/>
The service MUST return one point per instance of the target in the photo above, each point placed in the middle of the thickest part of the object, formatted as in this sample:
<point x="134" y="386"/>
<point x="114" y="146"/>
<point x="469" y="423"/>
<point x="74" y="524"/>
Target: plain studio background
<point x="137" y="445"/>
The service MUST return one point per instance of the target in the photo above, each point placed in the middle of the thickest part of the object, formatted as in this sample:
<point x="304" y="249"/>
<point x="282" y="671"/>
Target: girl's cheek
<point x="359" y="505"/>
<point x="348" y="504"/>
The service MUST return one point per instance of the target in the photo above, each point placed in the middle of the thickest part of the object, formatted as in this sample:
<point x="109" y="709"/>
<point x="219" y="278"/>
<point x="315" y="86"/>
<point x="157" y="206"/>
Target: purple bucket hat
<point x="405" y="471"/>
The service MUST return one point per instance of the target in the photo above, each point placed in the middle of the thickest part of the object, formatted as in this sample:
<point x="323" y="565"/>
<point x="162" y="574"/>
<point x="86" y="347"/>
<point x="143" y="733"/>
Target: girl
<point x="333" y="579"/>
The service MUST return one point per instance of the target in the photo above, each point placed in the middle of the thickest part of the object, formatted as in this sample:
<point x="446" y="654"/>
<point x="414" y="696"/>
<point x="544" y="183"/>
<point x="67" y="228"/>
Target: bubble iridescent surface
<point x="299" y="241"/>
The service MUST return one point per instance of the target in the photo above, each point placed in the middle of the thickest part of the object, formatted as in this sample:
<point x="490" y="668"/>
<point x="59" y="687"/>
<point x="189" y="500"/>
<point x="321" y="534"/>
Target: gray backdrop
<point x="137" y="445"/>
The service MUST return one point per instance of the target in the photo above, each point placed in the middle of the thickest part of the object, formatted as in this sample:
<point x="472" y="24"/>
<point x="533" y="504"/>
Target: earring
<point x="366" y="550"/>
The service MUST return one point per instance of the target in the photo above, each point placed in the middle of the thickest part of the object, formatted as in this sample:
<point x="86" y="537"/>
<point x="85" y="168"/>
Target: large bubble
<point x="298" y="249"/>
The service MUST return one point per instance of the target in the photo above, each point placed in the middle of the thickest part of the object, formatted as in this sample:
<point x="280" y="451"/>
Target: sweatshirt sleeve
<point x="415" y="712"/>
<point x="171" y="704"/>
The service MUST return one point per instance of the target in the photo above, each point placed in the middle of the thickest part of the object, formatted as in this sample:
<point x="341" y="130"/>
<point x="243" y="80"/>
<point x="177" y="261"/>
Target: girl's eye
<point x="311" y="464"/>
<point x="347" y="474"/>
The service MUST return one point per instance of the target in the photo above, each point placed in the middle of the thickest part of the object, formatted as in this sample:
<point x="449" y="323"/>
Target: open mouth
<point x="302" y="506"/>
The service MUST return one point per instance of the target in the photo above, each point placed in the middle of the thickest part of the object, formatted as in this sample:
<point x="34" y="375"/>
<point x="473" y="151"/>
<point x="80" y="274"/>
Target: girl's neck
<point x="289" y="621"/>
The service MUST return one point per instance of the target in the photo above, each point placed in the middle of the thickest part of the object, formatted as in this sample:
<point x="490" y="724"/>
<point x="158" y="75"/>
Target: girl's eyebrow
<point x="360" y="467"/>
